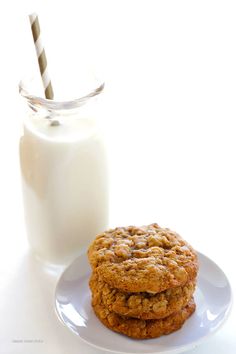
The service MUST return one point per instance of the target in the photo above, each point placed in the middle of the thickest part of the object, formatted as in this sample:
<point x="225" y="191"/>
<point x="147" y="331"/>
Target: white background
<point x="170" y="72"/>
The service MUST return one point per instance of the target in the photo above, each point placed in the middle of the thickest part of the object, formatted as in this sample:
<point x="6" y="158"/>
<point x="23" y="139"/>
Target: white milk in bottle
<point x="64" y="177"/>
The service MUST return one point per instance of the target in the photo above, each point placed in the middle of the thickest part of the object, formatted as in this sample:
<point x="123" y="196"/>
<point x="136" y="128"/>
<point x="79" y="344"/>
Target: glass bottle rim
<point x="36" y="102"/>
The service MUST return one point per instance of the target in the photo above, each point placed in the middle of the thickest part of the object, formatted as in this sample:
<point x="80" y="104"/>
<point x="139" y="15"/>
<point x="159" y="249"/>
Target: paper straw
<point x="42" y="60"/>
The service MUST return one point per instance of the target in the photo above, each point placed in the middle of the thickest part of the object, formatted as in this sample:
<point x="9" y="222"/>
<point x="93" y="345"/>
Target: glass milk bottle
<point x="64" y="175"/>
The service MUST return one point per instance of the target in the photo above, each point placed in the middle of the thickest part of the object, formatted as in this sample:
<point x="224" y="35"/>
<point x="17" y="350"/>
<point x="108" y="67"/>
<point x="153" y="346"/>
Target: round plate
<point x="213" y="299"/>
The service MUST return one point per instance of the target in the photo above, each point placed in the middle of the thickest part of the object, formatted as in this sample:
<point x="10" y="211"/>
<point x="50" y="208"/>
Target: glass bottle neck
<point x="61" y="120"/>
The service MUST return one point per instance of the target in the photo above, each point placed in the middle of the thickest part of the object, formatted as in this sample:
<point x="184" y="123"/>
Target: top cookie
<point x="143" y="259"/>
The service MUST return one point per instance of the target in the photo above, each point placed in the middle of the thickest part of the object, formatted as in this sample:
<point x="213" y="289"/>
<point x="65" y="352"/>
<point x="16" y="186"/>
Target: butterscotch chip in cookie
<point x="143" y="259"/>
<point x="143" y="329"/>
<point x="144" y="306"/>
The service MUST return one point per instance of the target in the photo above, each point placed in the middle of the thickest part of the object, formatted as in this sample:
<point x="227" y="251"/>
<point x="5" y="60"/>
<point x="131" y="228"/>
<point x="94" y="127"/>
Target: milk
<point x="65" y="185"/>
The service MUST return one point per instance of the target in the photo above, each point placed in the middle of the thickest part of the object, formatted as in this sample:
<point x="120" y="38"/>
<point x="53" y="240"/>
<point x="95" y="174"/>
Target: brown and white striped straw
<point x="42" y="60"/>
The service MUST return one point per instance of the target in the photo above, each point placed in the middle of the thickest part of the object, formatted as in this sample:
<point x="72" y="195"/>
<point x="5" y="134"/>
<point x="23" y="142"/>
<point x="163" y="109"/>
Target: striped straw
<point x="42" y="60"/>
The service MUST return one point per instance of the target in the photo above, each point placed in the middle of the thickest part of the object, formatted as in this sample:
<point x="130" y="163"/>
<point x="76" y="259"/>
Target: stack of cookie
<point x="143" y="280"/>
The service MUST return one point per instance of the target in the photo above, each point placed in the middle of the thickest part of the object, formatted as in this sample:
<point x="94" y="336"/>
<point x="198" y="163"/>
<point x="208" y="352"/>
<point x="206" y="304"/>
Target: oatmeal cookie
<point x="143" y="259"/>
<point x="143" y="329"/>
<point x="144" y="306"/>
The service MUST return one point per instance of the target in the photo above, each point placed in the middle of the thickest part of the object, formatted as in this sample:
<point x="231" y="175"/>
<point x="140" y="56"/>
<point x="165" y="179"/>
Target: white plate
<point x="72" y="301"/>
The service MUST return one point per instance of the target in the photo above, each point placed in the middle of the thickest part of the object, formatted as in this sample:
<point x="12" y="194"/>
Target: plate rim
<point x="180" y="349"/>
